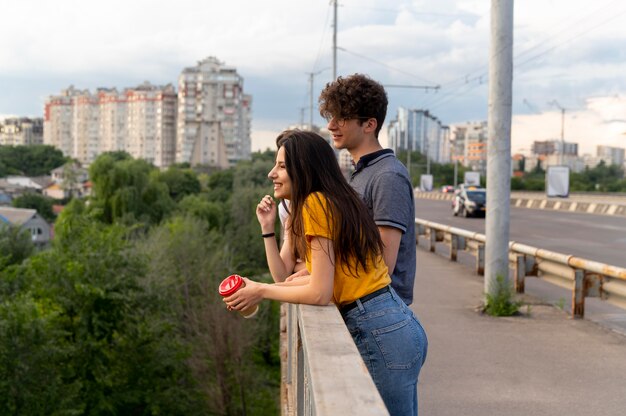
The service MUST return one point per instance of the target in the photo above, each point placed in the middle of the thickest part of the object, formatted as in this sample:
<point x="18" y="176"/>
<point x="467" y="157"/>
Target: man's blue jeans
<point x="393" y="346"/>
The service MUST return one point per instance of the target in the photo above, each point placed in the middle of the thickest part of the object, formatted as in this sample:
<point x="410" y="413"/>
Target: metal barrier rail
<point x="322" y="370"/>
<point x="586" y="278"/>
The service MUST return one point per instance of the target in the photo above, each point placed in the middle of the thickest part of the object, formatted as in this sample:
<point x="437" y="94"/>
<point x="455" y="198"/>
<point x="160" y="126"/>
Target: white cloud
<point x="570" y="50"/>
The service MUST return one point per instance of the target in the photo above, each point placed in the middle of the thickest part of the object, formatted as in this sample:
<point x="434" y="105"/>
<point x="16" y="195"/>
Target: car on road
<point x="469" y="201"/>
<point x="447" y="189"/>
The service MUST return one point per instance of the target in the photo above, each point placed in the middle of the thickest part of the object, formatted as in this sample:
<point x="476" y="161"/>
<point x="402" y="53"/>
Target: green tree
<point x="41" y="203"/>
<point x="180" y="182"/>
<point x="15" y="245"/>
<point x="127" y="191"/>
<point x="111" y="353"/>
<point x="32" y="160"/>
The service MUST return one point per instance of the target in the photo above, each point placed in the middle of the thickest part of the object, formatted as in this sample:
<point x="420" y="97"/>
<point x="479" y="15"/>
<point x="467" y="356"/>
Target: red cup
<point x="230" y="285"/>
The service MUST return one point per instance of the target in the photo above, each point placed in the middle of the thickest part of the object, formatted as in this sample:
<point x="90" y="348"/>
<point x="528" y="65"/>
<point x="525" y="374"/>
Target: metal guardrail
<point x="585" y="278"/>
<point x="322" y="370"/>
<point x="575" y="203"/>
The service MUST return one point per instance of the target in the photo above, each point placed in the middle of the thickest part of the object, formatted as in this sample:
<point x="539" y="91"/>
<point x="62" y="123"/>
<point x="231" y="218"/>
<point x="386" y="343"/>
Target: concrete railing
<point x="322" y="371"/>
<point x="585" y="278"/>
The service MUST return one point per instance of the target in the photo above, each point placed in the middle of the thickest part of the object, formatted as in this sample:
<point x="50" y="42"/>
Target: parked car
<point x="447" y="189"/>
<point x="470" y="201"/>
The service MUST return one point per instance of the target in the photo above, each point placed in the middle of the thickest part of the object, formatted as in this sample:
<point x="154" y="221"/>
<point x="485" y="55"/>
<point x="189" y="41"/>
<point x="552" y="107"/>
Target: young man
<point x="355" y="108"/>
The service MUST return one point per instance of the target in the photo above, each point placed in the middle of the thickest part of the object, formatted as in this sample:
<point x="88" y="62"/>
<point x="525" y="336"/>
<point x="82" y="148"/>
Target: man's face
<point x="347" y="133"/>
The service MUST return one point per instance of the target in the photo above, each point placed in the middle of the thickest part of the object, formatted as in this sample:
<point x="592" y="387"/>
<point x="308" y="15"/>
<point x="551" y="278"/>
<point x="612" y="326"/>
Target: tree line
<point x="121" y="314"/>
<point x="602" y="178"/>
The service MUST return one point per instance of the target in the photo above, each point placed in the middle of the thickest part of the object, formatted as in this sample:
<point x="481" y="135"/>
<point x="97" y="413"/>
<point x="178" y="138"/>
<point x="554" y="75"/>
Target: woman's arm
<point x="280" y="262"/>
<point x="317" y="289"/>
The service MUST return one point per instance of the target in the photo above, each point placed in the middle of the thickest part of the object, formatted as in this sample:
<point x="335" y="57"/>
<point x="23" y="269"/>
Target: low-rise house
<point x="55" y="191"/>
<point x="28" y="219"/>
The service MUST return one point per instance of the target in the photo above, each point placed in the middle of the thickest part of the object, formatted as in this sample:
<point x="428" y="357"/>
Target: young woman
<point x="331" y="230"/>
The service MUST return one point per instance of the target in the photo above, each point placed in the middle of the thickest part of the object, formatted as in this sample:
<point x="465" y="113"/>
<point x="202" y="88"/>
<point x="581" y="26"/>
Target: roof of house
<point x="16" y="216"/>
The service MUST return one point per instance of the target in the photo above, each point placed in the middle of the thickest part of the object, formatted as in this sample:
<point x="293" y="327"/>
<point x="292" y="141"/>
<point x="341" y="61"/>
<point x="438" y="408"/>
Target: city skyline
<point x="564" y="51"/>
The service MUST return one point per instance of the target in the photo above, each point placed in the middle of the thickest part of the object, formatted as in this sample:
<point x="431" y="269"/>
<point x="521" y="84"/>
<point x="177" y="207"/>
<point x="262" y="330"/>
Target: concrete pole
<point x="334" y="40"/>
<point x="499" y="144"/>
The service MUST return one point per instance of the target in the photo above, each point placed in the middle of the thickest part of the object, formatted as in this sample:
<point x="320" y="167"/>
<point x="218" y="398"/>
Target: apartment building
<point x="21" y="131"/>
<point x="610" y="155"/>
<point x="213" y="126"/>
<point x="419" y="130"/>
<point x="469" y="144"/>
<point x="140" y="121"/>
<point x="58" y="120"/>
<point x="151" y="123"/>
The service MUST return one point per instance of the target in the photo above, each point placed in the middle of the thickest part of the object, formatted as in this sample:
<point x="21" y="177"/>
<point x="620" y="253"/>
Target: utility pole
<point x="311" y="75"/>
<point x="426" y="142"/>
<point x="557" y="105"/>
<point x="499" y="145"/>
<point x="334" y="39"/>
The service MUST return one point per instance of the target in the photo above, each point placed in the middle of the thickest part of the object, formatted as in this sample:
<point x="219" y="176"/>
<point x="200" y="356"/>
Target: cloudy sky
<point x="568" y="54"/>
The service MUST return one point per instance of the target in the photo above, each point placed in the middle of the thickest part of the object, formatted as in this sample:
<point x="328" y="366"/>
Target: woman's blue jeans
<point x="393" y="346"/>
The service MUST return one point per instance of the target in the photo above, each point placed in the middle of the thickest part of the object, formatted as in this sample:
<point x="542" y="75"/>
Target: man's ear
<point x="370" y="125"/>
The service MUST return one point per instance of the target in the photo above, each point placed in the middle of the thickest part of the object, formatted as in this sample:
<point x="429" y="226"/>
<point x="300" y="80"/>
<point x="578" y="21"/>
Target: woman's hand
<point x="247" y="296"/>
<point x="299" y="274"/>
<point x="266" y="214"/>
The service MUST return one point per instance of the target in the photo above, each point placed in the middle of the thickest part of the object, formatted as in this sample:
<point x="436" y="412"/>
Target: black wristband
<point x="268" y="235"/>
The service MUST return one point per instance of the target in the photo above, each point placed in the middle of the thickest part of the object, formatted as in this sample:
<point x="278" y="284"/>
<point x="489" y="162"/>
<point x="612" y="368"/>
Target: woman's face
<point x="279" y="176"/>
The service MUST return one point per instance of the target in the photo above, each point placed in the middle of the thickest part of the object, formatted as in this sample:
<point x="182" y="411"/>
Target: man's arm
<point x="391" y="237"/>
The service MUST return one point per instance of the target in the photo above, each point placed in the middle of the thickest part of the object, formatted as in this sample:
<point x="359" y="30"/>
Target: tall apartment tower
<point x="21" y="131"/>
<point x="151" y="132"/>
<point x="418" y="130"/>
<point x="213" y="126"/>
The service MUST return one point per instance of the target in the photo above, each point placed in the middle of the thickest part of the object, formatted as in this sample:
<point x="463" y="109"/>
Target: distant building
<point x="554" y="147"/>
<point x="27" y="219"/>
<point x="469" y="145"/>
<point x="21" y="131"/>
<point x="140" y="121"/>
<point x="611" y="155"/>
<point x="419" y="130"/>
<point x="213" y="125"/>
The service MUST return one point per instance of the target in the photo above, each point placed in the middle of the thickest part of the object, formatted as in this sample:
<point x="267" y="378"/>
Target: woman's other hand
<point x="266" y="214"/>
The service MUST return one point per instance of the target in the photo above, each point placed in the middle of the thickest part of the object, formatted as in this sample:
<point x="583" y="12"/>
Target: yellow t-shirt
<point x="347" y="287"/>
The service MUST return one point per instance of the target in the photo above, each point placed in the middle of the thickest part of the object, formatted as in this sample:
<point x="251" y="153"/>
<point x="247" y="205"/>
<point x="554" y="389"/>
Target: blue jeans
<point x="393" y="346"/>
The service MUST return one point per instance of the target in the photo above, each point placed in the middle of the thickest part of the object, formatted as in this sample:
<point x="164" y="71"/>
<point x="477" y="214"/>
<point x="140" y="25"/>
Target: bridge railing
<point x="322" y="371"/>
<point x="585" y="278"/>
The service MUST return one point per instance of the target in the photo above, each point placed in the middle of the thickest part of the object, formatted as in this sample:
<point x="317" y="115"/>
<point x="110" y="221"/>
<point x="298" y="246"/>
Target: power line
<point x="367" y="58"/>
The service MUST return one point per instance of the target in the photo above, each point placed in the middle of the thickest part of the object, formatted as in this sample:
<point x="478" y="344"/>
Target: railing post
<point x="480" y="259"/>
<point x="433" y="239"/>
<point x="578" y="294"/>
<point x="520" y="273"/>
<point x="454" y="246"/>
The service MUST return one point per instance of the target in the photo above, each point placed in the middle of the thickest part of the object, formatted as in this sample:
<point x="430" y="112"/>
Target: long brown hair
<point x="312" y="167"/>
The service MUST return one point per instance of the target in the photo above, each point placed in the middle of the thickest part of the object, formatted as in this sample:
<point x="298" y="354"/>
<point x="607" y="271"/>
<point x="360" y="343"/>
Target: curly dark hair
<point x="354" y="96"/>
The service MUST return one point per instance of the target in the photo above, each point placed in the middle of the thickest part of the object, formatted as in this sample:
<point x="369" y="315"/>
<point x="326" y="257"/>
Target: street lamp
<point x="557" y="105"/>
<point x="311" y="75"/>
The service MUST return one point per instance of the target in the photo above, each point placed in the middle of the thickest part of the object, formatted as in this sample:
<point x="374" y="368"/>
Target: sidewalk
<point x="539" y="364"/>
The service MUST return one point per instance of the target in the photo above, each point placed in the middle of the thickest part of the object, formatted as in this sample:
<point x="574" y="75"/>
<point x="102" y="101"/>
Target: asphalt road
<point x="594" y="237"/>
